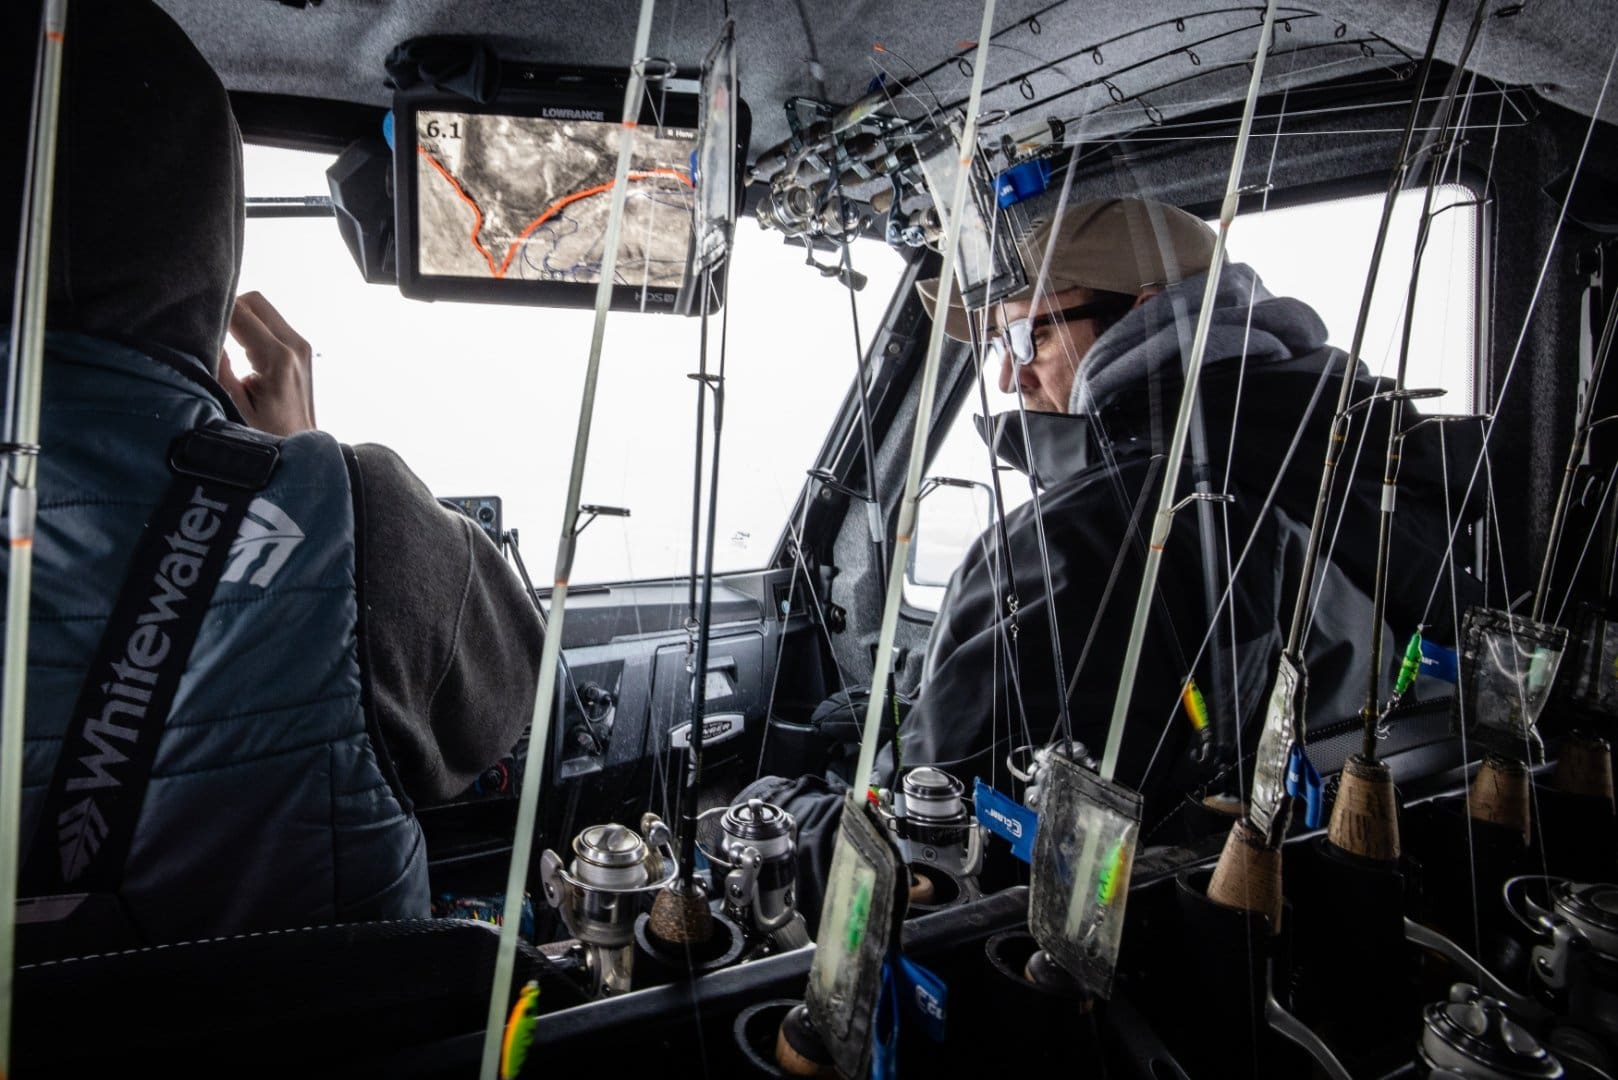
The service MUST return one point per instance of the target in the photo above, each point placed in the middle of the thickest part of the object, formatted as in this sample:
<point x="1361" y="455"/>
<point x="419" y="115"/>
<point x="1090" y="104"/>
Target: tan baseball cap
<point x="1114" y="245"/>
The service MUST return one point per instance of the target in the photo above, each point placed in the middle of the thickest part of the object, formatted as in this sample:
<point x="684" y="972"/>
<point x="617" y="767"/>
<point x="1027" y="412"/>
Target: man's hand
<point x="278" y="395"/>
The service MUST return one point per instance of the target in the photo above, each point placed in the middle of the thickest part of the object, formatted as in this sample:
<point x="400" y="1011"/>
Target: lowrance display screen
<point x="527" y="198"/>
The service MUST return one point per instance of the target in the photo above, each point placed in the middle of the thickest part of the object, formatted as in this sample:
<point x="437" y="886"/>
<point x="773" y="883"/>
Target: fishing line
<point x="1188" y="399"/>
<point x="1174" y="126"/>
<point x="905" y="84"/>
<point x="1247" y="548"/>
<point x="930" y="113"/>
<point x="1533" y="302"/>
<point x="918" y="449"/>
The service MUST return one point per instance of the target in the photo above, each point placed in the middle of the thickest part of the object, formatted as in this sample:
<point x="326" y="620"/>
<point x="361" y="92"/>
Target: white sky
<point x="483" y="399"/>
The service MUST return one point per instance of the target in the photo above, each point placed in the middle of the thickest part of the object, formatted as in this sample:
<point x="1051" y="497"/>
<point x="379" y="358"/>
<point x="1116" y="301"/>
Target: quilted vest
<point x="268" y="806"/>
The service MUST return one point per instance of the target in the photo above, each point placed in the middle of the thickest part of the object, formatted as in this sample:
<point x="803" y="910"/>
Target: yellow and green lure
<point x="1196" y="710"/>
<point x="1112" y="874"/>
<point x="519" y="1032"/>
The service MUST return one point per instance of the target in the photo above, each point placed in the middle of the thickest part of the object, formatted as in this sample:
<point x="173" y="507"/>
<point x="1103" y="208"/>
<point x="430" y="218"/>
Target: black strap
<point x="88" y="821"/>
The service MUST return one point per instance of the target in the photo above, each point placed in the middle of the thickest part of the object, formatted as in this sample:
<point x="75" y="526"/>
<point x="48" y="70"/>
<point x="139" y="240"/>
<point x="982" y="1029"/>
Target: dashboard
<point x="622" y="719"/>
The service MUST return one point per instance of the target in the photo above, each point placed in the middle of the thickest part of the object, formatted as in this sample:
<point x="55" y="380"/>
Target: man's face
<point x="1059" y="347"/>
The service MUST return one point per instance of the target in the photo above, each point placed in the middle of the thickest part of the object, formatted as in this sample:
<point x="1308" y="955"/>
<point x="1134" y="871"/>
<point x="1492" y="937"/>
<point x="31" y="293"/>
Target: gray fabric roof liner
<point x="1164" y="60"/>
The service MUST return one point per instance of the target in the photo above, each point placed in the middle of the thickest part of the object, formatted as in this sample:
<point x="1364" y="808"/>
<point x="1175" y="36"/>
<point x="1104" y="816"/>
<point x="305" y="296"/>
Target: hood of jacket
<point x="147" y="227"/>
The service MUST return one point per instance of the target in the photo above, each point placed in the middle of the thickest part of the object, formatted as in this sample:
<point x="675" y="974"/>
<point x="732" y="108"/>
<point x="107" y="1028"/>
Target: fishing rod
<point x="1282" y="727"/>
<point x="1078" y="920"/>
<point x="869" y="939"/>
<point x="544" y="696"/>
<point x="24" y="384"/>
<point x="1575" y="454"/>
<point x="680" y="913"/>
<point x="1167" y="505"/>
<point x="1093" y="51"/>
<point x="1372" y="712"/>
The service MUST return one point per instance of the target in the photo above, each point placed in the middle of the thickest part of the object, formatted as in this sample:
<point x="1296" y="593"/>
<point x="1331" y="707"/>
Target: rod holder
<point x="1365" y="818"/>
<point x="1248" y="875"/>
<point x="1499" y="794"/>
<point x="1585" y="767"/>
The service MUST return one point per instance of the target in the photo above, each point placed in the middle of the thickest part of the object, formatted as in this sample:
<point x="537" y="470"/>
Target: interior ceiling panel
<point x="1101" y="66"/>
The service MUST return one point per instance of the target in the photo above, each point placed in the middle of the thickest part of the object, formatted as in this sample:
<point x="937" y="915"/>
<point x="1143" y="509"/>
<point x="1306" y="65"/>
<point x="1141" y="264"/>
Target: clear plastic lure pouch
<point x="1083" y="851"/>
<point x="1508" y="665"/>
<point x="859" y="919"/>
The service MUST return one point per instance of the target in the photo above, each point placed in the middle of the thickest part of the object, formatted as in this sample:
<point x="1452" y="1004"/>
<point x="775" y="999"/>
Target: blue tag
<point x="924" y="997"/>
<point x="1006" y="818"/>
<point x="1022" y="182"/>
<point x="1438" y="662"/>
<point x="1303" y="781"/>
<point x="387" y="128"/>
<point x="885" y="1028"/>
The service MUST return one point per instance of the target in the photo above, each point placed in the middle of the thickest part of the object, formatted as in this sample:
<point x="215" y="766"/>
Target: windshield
<point x="484" y="400"/>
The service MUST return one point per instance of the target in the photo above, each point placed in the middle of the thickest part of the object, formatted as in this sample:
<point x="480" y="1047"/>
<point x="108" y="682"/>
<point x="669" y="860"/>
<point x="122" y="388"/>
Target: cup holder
<point x="755" y="1032"/>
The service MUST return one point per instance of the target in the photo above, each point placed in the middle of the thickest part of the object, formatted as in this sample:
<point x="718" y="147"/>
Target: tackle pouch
<point x="865" y="895"/>
<point x="1083" y="852"/>
<point x="1595" y="685"/>
<point x="1266" y="811"/>
<point x="1508" y="664"/>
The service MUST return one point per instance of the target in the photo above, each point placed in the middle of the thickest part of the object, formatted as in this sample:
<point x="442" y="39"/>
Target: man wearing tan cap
<point x="1105" y="341"/>
<point x="1106" y="257"/>
<point x="1102" y="346"/>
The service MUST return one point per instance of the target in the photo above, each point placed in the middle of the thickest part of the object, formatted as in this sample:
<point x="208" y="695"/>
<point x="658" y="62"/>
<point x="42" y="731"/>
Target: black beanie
<point x="147" y="230"/>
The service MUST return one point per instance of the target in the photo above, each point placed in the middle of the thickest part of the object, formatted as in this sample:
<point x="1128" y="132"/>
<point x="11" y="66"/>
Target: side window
<point x="1327" y="271"/>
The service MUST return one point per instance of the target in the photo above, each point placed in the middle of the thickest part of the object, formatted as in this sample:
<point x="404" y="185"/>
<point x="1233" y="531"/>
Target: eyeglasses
<point x="1018" y="334"/>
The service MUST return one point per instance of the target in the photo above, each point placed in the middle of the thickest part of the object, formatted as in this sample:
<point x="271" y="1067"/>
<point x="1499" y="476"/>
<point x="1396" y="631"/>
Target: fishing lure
<point x="1111" y="875"/>
<point x="1409" y="667"/>
<point x="1196" y="710"/>
<point x="519" y="1031"/>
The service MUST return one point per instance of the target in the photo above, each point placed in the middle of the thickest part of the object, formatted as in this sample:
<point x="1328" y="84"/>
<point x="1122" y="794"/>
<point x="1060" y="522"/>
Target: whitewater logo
<point x="108" y="735"/>
<point x="267" y="539"/>
<point x="552" y="112"/>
